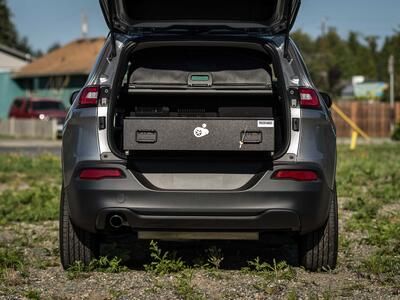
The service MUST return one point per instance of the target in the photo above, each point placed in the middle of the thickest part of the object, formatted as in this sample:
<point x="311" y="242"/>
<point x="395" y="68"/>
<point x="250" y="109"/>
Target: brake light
<point x="297" y="175"/>
<point x="98" y="174"/>
<point x="89" y="97"/>
<point x="309" y="98"/>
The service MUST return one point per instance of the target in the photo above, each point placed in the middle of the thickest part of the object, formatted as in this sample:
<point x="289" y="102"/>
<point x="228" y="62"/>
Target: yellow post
<point x="349" y="121"/>
<point x="356" y="130"/>
<point x="354" y="136"/>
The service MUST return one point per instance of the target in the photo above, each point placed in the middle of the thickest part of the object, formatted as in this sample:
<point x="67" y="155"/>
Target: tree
<point x="53" y="47"/>
<point x="8" y="33"/>
<point x="391" y="47"/>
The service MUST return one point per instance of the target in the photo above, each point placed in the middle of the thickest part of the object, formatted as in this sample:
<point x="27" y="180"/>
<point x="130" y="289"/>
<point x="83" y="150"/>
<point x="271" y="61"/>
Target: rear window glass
<point x="48" y="105"/>
<point x="17" y="103"/>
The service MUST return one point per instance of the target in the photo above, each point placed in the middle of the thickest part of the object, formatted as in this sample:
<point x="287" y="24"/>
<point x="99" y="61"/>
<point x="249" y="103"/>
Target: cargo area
<point x="185" y="103"/>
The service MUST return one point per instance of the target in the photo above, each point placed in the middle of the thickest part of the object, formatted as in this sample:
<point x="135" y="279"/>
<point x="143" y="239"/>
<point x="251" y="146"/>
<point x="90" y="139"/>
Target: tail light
<point x="297" y="175"/>
<point x="309" y="98"/>
<point x="89" y="97"/>
<point x="98" y="174"/>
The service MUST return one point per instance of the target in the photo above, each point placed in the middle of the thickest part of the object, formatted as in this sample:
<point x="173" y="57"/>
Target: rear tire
<point x="76" y="245"/>
<point x="318" y="250"/>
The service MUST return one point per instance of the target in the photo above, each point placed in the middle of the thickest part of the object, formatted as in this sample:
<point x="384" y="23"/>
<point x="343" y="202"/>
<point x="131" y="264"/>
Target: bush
<point x="396" y="133"/>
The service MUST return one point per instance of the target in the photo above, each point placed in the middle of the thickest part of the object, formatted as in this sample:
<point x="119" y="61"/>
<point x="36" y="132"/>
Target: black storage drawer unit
<point x="208" y="134"/>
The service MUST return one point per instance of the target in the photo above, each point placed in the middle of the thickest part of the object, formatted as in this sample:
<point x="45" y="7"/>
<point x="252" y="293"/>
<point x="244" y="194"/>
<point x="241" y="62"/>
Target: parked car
<point x="200" y="122"/>
<point x="42" y="109"/>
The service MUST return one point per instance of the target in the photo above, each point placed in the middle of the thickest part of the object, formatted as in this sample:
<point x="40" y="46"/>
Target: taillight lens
<point x="89" y="96"/>
<point x="298" y="175"/>
<point x="98" y="174"/>
<point x="309" y="98"/>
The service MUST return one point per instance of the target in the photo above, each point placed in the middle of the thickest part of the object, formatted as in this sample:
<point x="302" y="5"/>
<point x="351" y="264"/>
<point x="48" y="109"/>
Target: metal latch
<point x="146" y="136"/>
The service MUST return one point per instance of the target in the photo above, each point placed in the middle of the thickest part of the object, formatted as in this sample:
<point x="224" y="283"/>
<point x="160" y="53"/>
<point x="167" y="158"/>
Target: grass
<point x="23" y="197"/>
<point x="10" y="259"/>
<point x="368" y="182"/>
<point x="36" y="203"/>
<point x="370" y="178"/>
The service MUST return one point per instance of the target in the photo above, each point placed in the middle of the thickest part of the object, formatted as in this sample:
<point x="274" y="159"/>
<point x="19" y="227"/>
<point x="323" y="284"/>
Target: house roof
<point x="75" y="58"/>
<point x="15" y="53"/>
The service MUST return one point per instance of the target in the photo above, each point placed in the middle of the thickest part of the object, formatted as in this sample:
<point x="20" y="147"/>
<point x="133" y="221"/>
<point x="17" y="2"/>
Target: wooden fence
<point x="374" y="118"/>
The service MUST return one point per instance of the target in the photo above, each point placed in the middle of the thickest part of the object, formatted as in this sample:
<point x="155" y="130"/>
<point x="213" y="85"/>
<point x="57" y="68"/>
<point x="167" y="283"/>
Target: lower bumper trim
<point x="170" y="235"/>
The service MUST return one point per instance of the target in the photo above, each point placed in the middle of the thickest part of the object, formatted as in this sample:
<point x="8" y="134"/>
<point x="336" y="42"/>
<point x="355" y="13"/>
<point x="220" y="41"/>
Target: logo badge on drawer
<point x="200" y="132"/>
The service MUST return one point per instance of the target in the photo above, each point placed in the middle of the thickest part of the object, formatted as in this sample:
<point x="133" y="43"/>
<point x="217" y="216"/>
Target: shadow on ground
<point x="234" y="255"/>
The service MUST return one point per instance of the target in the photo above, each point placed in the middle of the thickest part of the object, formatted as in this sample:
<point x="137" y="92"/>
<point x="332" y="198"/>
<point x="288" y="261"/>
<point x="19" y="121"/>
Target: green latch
<point x="200" y="80"/>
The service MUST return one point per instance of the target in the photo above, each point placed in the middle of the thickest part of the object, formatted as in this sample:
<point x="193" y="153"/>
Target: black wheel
<point x="319" y="249"/>
<point x="76" y="245"/>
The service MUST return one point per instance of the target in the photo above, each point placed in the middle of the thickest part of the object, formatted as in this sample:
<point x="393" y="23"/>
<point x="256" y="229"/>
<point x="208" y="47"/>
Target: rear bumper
<point x="268" y="205"/>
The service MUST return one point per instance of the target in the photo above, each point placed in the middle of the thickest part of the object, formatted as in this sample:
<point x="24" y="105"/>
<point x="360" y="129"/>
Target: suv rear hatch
<point x="206" y="107"/>
<point x="270" y="16"/>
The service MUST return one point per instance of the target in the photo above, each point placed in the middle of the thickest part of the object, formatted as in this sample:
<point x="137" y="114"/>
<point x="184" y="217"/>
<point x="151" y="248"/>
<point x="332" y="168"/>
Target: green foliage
<point x="163" y="263"/>
<point x="332" y="60"/>
<point x="33" y="188"/>
<point x="274" y="272"/>
<point x="184" y="286"/>
<point x="368" y="177"/>
<point x="215" y="257"/>
<point x="292" y="295"/>
<point x="106" y="265"/>
<point x="11" y="258"/>
<point x="396" y="134"/>
<point x="43" y="167"/>
<point x="379" y="264"/>
<point x="77" y="270"/>
<point x="103" y="264"/>
<point x="8" y="33"/>
<point x="37" y="203"/>
<point x="33" y="294"/>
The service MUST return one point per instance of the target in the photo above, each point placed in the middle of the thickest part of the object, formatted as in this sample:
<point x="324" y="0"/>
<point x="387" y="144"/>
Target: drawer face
<point x="169" y="134"/>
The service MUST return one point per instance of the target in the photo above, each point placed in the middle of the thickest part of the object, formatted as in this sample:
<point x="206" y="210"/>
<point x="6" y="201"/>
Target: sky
<point x="46" y="22"/>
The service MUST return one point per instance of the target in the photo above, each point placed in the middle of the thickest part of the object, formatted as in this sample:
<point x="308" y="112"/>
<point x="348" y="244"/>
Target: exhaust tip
<point x="116" y="221"/>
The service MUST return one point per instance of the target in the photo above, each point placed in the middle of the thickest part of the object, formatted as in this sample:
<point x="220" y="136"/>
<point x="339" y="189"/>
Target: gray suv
<point x="199" y="121"/>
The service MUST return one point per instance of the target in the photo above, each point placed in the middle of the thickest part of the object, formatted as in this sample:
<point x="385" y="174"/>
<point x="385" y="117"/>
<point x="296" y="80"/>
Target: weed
<point x="77" y="270"/>
<point x="274" y="272"/>
<point x="11" y="259"/>
<point x="106" y="265"/>
<point x="215" y="257"/>
<point x="163" y="263"/>
<point x="292" y="295"/>
<point x="103" y="264"/>
<point x="184" y="286"/>
<point x="33" y="294"/>
<point x="116" y="294"/>
<point x="379" y="264"/>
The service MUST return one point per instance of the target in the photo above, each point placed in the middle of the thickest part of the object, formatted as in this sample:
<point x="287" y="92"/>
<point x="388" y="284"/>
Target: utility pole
<point x="324" y="22"/>
<point x="391" y="74"/>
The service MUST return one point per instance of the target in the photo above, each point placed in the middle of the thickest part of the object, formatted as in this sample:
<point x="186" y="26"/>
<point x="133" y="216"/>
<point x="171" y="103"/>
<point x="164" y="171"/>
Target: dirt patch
<point x="45" y="278"/>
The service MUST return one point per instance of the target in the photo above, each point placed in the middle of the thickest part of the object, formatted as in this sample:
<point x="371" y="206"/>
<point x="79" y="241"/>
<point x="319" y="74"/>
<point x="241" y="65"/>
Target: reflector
<point x="298" y="175"/>
<point x="97" y="174"/>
